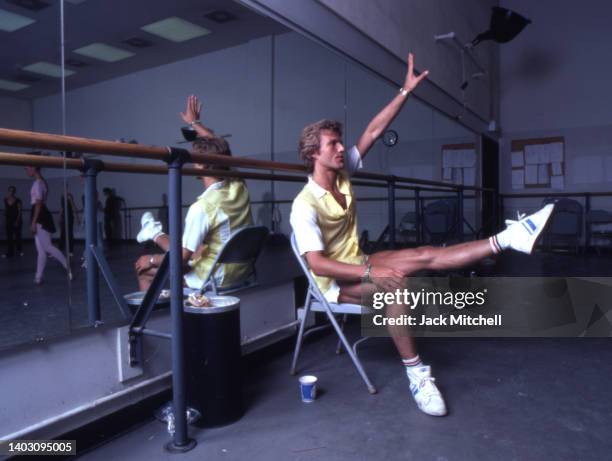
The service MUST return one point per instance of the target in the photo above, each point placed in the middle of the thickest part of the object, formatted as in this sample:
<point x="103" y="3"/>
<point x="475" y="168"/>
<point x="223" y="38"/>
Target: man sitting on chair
<point x="324" y="222"/>
<point x="223" y="208"/>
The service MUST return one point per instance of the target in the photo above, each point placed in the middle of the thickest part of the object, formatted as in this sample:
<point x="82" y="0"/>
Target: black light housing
<point x="505" y="25"/>
<point x="189" y="133"/>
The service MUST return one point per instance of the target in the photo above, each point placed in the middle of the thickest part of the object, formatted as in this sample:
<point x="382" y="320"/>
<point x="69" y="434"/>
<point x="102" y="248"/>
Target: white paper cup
<point x="308" y="388"/>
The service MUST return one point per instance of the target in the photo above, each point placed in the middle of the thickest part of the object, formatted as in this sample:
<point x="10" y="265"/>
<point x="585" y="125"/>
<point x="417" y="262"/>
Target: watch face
<point x="390" y="138"/>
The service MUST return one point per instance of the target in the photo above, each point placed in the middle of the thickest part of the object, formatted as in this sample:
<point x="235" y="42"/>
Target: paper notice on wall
<point x="544" y="154"/>
<point x="532" y="156"/>
<point x="531" y="174"/>
<point x="518" y="179"/>
<point x="446" y="159"/>
<point x="543" y="177"/>
<point x="557" y="182"/>
<point x="517" y="159"/>
<point x="469" y="176"/>
<point x="458" y="175"/>
<point x="557" y="169"/>
<point x="556" y="151"/>
<point x="469" y="158"/>
<point x="447" y="174"/>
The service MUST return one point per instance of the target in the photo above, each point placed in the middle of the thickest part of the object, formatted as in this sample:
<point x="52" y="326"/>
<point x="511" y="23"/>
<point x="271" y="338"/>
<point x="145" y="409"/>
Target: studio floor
<point x="508" y="399"/>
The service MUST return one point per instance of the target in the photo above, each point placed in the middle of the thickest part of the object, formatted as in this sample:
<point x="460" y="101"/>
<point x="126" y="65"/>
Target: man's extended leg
<point x="520" y="235"/>
<point x="412" y="260"/>
<point x="424" y="391"/>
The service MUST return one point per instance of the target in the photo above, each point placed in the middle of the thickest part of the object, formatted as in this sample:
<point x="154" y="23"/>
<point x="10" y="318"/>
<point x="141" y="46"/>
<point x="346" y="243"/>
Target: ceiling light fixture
<point x="220" y="16"/>
<point x="104" y="52"/>
<point x="9" y="85"/>
<point x="175" y="29"/>
<point x="10" y="22"/>
<point x="138" y="42"/>
<point x="47" y="68"/>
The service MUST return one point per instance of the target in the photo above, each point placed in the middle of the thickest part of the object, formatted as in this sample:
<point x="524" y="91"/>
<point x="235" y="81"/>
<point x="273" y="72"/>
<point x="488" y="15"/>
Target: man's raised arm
<point x="384" y="118"/>
<point x="191" y="117"/>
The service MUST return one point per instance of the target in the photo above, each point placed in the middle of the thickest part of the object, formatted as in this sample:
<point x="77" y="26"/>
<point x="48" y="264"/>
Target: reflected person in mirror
<point x="220" y="210"/>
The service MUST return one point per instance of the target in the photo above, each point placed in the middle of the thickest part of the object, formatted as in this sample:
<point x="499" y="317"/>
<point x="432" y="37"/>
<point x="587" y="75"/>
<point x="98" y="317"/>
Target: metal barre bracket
<point x="177" y="155"/>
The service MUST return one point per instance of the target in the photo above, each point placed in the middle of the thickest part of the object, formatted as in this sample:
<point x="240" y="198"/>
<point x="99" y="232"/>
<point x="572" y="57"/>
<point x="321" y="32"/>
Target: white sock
<point x="413" y="362"/>
<point x="500" y="241"/>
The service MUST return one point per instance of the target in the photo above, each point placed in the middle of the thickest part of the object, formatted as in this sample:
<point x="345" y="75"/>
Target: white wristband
<point x="403" y="92"/>
<point x="194" y="122"/>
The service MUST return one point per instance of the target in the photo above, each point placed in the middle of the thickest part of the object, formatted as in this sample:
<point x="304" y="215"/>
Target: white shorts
<point x="332" y="293"/>
<point x="192" y="280"/>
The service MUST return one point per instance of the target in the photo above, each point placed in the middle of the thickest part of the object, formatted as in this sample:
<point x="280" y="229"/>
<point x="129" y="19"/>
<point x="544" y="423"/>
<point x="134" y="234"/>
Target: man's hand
<point x="143" y="264"/>
<point x="192" y="110"/>
<point x="33" y="228"/>
<point x="412" y="80"/>
<point x="387" y="278"/>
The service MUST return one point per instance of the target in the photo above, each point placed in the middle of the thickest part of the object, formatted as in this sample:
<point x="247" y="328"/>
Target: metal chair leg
<point x="339" y="345"/>
<point x="357" y="343"/>
<point x="298" y="344"/>
<point x="349" y="349"/>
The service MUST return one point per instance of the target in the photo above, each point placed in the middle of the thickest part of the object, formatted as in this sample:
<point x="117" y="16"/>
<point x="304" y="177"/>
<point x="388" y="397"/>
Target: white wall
<point x="402" y="26"/>
<point x="556" y="82"/>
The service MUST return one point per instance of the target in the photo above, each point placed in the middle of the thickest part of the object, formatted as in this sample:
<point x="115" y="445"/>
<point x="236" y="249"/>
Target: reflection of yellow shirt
<point x="337" y="226"/>
<point x="222" y="209"/>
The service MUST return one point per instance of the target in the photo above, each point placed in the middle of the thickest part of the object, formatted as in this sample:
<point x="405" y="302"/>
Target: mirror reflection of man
<point x="324" y="221"/>
<point x="220" y="210"/>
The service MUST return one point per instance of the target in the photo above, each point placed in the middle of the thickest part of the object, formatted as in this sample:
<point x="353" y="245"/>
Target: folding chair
<point x="316" y="302"/>
<point x="243" y="246"/>
<point x="439" y="222"/>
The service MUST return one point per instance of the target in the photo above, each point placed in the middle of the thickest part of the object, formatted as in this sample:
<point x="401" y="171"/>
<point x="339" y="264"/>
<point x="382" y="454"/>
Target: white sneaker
<point x="425" y="393"/>
<point x="524" y="232"/>
<point x="149" y="228"/>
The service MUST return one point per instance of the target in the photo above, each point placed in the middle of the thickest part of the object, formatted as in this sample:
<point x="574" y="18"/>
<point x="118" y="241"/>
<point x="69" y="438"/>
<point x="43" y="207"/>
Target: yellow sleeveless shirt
<point x="338" y="226"/>
<point x="228" y="205"/>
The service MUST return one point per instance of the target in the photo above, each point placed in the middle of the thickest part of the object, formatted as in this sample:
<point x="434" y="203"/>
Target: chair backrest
<point x="566" y="218"/>
<point x="313" y="287"/>
<point x="440" y="220"/>
<point x="243" y="246"/>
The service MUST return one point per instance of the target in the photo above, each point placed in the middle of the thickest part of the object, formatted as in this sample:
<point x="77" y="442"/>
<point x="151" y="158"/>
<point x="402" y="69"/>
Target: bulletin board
<point x="538" y="163"/>
<point x="459" y="164"/>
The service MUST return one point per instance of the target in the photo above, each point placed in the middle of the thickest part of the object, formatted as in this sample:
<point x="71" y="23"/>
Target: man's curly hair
<point x="215" y="145"/>
<point x="310" y="139"/>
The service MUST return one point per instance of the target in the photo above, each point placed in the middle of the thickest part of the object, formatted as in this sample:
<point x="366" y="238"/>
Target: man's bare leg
<point x="404" y="343"/>
<point x="412" y="260"/>
<point x="146" y="278"/>
<point x="425" y="393"/>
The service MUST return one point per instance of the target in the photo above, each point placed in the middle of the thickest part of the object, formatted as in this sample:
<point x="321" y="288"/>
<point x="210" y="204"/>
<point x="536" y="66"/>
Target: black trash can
<point x="213" y="361"/>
